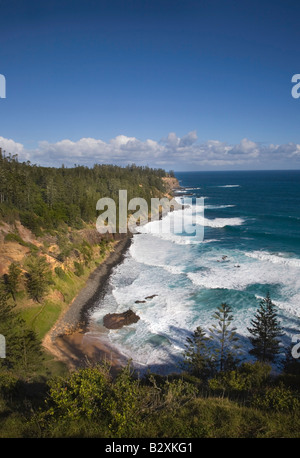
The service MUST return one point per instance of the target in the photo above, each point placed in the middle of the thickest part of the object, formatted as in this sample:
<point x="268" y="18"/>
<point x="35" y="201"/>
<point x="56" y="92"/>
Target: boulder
<point x="151" y="297"/>
<point x="118" y="320"/>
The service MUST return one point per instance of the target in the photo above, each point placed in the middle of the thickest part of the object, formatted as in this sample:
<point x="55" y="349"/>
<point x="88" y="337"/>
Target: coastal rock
<point x="151" y="297"/>
<point x="140" y="302"/>
<point x="118" y="320"/>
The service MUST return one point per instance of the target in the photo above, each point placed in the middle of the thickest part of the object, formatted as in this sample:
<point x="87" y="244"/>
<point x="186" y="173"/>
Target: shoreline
<point x="69" y="340"/>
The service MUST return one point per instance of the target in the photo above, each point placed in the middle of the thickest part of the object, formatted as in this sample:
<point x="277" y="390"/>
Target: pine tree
<point x="11" y="279"/>
<point x="23" y="349"/>
<point x="197" y="357"/>
<point x="224" y="336"/>
<point x="265" y="332"/>
<point x="38" y="277"/>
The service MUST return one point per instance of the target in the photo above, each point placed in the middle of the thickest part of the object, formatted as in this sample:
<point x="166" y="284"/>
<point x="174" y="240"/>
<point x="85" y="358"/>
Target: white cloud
<point x="188" y="139"/>
<point x="290" y="149"/>
<point x="172" y="141"/>
<point x="184" y="153"/>
<point x="247" y="147"/>
<point x="12" y="147"/>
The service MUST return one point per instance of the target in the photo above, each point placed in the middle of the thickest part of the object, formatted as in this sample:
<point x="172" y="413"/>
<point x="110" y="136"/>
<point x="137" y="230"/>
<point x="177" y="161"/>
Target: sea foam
<point x="219" y="222"/>
<point x="191" y="278"/>
<point x="274" y="258"/>
<point x="229" y="186"/>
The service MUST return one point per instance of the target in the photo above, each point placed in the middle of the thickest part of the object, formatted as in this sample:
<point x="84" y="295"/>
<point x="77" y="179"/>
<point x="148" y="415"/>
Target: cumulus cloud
<point x="184" y="153"/>
<point x="12" y="147"/>
<point x="188" y="139"/>
<point x="248" y="147"/>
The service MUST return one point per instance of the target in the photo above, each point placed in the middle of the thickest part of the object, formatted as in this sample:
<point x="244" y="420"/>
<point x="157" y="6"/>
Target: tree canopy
<point x="46" y="197"/>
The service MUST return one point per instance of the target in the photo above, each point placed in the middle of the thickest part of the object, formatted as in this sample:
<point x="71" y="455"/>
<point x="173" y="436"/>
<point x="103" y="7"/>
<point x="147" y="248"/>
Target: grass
<point x="210" y="417"/>
<point x="41" y="317"/>
<point x="222" y="418"/>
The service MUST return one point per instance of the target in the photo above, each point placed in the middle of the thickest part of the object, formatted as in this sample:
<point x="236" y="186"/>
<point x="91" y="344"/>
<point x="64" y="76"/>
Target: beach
<point x="71" y="340"/>
<point x="74" y="339"/>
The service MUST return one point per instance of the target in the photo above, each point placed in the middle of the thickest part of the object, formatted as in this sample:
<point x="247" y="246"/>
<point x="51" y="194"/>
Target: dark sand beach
<point x="71" y="340"/>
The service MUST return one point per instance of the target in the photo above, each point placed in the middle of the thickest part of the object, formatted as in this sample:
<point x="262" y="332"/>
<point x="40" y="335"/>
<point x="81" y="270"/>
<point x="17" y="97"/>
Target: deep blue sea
<point x="251" y="246"/>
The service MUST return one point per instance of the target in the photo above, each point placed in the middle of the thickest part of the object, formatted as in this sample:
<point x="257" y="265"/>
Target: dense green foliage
<point x="247" y="401"/>
<point x="46" y="197"/>
<point x="38" y="277"/>
<point x="23" y="349"/>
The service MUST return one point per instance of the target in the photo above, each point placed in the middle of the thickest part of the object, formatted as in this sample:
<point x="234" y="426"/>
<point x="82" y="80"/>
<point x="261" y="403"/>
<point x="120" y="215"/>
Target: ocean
<point x="251" y="246"/>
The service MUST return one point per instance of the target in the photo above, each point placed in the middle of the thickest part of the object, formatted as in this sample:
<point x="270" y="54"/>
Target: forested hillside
<point x="49" y="244"/>
<point x="45" y="198"/>
<point x="52" y="212"/>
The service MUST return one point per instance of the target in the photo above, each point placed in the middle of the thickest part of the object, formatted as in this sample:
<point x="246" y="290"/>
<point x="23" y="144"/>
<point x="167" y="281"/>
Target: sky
<point x="177" y="84"/>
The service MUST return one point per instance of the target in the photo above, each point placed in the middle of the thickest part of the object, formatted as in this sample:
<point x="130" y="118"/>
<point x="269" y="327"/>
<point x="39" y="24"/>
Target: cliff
<point x="171" y="184"/>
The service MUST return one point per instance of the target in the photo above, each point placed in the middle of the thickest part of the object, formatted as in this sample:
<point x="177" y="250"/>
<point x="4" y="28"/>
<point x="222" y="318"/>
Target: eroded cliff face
<point x="17" y="242"/>
<point x="171" y="183"/>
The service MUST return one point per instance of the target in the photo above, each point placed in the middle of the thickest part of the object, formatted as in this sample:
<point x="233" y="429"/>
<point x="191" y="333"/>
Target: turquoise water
<point x="251" y="246"/>
<point x="268" y="201"/>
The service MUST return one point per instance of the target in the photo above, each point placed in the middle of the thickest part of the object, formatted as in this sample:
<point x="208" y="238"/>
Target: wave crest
<point x="274" y="258"/>
<point x="219" y="222"/>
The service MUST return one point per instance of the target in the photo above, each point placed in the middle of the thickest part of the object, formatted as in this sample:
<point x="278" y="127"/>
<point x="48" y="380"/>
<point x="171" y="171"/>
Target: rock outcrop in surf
<point x="118" y="320"/>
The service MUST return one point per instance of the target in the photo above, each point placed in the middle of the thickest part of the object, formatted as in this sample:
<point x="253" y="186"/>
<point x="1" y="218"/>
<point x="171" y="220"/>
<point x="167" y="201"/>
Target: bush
<point x="90" y="394"/>
<point x="32" y="222"/>
<point x="61" y="273"/>
<point x="83" y="394"/>
<point x="12" y="237"/>
<point x="8" y="383"/>
<point x="276" y="398"/>
<point x="247" y="377"/>
<point x="86" y="251"/>
<point x="79" y="269"/>
<point x="103" y="247"/>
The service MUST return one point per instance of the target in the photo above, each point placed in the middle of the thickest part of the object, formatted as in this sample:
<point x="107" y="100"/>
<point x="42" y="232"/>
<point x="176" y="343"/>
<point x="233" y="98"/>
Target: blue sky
<point x="180" y="84"/>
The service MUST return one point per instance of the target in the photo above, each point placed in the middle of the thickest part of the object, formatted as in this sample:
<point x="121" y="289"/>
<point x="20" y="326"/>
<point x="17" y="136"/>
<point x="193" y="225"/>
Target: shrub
<point x="8" y="383"/>
<point x="90" y="394"/>
<point x="79" y="269"/>
<point x="12" y="237"/>
<point x="247" y="377"/>
<point x="276" y="398"/>
<point x="32" y="222"/>
<point x="86" y="251"/>
<point x="83" y="394"/>
<point x="61" y="273"/>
